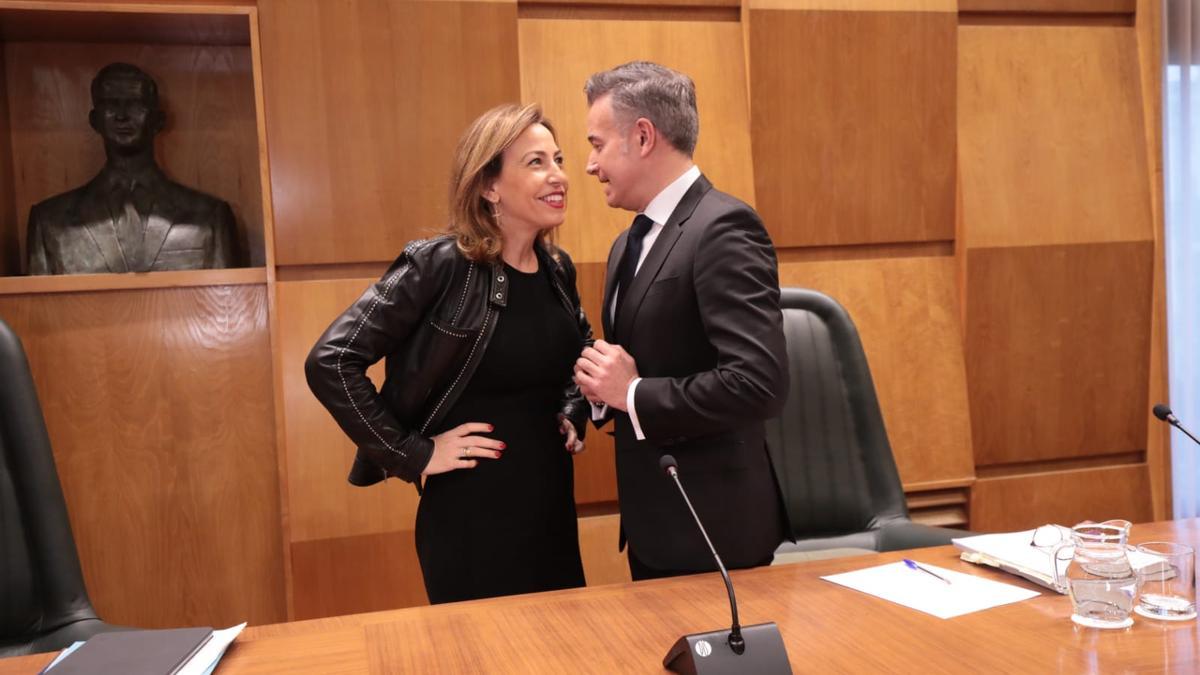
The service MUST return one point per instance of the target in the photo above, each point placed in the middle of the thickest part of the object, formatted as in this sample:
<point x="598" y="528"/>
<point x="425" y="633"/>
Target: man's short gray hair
<point x="643" y="89"/>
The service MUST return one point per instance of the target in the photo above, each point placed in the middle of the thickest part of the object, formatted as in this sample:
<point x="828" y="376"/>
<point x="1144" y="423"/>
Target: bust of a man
<point x="130" y="217"/>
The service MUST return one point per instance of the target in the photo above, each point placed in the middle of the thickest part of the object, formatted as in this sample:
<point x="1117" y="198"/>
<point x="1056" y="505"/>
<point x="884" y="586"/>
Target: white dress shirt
<point x="659" y="211"/>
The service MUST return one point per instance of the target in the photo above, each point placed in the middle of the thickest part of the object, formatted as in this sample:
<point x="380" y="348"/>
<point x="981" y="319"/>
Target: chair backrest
<point x="829" y="445"/>
<point x="41" y="585"/>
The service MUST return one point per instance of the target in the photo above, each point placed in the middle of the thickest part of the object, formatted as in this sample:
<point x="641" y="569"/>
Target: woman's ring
<point x="468" y="452"/>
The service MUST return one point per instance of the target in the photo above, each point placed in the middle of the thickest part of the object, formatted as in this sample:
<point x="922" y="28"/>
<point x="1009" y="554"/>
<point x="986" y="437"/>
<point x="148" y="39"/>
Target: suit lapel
<point x="666" y="240"/>
<point x="610" y="282"/>
<point x="155" y="235"/>
<point x="93" y="209"/>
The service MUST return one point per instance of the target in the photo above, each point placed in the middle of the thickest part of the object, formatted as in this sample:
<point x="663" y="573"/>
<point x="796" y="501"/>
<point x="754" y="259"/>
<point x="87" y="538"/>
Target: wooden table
<point x="628" y="628"/>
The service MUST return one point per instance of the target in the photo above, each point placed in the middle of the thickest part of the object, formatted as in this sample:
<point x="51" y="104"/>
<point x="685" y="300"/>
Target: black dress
<point x="508" y="526"/>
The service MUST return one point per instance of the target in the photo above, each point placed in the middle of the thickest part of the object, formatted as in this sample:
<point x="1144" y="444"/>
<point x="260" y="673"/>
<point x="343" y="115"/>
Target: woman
<point x="480" y="327"/>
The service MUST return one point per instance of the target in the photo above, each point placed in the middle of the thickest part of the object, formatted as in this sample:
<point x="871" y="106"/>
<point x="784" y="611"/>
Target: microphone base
<point x="710" y="654"/>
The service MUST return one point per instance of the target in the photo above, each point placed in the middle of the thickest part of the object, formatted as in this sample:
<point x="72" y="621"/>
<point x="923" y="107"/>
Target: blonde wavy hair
<point x="478" y="161"/>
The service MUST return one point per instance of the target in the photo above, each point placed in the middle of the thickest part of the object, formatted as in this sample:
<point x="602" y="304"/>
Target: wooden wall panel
<point x="596" y="467"/>
<point x="364" y="573"/>
<point x="365" y="102"/>
<point x="160" y="412"/>
<point x="602" y="562"/>
<point x="1051" y="140"/>
<point x="10" y="246"/>
<point x="858" y="5"/>
<point x="557" y="56"/>
<point x="1057" y="345"/>
<point x="906" y="313"/>
<point x="322" y="504"/>
<point x="853" y="124"/>
<point x="217" y="23"/>
<point x="1149" y="28"/>
<point x="1063" y="497"/>
<point x="210" y="142"/>
<point x="1049" y="6"/>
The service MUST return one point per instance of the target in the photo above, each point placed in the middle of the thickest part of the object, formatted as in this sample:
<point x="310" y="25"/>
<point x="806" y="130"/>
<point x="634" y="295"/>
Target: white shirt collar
<point x="663" y="205"/>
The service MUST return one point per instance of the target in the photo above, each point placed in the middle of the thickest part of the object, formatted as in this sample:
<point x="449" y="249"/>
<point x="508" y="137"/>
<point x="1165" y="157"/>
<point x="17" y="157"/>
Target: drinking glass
<point x="1168" y="590"/>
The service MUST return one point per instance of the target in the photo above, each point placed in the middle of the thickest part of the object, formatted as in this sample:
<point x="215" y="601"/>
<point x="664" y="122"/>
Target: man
<point x="130" y="217"/>
<point x="694" y="360"/>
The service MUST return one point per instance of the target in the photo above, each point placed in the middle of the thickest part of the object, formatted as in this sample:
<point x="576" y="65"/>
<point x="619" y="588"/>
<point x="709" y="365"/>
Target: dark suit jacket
<point x="702" y="320"/>
<point x="75" y="232"/>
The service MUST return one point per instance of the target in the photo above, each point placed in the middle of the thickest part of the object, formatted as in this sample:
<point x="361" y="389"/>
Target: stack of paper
<point x="1011" y="552"/>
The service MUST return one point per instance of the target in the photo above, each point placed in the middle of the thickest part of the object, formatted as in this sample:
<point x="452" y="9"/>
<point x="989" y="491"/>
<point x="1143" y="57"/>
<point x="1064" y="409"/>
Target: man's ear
<point x="645" y="135"/>
<point x="94" y="120"/>
<point x="160" y="120"/>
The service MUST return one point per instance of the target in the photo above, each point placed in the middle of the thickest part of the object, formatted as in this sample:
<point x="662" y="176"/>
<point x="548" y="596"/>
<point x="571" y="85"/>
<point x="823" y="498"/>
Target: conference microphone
<point x="1163" y="412"/>
<point x="753" y="649"/>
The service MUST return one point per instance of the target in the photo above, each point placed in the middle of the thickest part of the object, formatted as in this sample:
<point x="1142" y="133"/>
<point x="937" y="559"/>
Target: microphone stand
<point x="736" y="642"/>
<point x="753" y="649"/>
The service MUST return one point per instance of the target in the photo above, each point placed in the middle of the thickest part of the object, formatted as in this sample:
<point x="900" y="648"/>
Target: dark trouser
<point x="640" y="572"/>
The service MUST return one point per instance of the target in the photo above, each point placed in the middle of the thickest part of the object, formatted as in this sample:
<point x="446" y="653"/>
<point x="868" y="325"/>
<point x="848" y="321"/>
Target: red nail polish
<point x="503" y="446"/>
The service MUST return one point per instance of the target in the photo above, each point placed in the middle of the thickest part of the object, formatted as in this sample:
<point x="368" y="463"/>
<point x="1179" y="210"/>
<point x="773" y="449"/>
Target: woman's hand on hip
<point x="573" y="444"/>
<point x="458" y="449"/>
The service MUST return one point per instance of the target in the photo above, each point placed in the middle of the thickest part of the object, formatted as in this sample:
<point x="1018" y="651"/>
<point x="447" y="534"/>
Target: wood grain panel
<point x="113" y="22"/>
<point x="557" y="56"/>
<point x="602" y="562"/>
<point x="1048" y="6"/>
<point x="1051" y="140"/>
<point x="210" y="141"/>
<point x="857" y="5"/>
<point x="1063" y="497"/>
<point x="1150" y="58"/>
<point x="365" y="101"/>
<point x="633" y="4"/>
<point x="595" y="468"/>
<point x="906" y="314"/>
<point x="10" y="239"/>
<point x="347" y="575"/>
<point x="626" y="628"/>
<point x="1057" y="350"/>
<point x="939" y="508"/>
<point x="853" y="125"/>
<point x="159" y="408"/>
<point x="322" y="504"/>
<point x="71" y="283"/>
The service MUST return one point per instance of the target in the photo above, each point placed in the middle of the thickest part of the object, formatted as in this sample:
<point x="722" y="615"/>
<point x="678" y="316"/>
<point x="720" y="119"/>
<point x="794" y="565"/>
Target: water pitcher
<point x="1099" y="578"/>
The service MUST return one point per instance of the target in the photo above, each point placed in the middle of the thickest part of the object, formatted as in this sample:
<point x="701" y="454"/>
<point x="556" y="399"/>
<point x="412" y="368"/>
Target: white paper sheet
<point x="965" y="593"/>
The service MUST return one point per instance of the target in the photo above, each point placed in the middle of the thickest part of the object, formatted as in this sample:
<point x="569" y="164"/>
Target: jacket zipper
<point x="482" y="329"/>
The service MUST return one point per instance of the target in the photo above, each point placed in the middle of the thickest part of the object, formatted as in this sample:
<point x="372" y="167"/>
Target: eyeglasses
<point x="1046" y="537"/>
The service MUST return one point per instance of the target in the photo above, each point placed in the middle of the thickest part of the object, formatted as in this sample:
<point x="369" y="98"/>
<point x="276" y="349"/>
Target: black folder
<point x="135" y="652"/>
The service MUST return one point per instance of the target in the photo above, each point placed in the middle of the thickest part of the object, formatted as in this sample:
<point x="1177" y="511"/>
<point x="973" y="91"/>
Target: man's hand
<point x="603" y="373"/>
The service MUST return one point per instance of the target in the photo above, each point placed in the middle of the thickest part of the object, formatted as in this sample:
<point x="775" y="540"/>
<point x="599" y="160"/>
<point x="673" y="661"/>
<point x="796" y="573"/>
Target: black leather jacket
<point x="432" y="315"/>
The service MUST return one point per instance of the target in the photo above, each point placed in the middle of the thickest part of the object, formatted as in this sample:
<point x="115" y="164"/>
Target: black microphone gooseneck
<point x="736" y="643"/>
<point x="1163" y="412"/>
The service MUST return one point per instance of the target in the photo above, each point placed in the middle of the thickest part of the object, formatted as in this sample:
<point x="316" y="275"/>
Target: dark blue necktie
<point x="627" y="270"/>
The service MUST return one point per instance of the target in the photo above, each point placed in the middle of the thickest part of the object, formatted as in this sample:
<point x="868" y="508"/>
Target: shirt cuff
<point x="633" y="418"/>
<point x="599" y="410"/>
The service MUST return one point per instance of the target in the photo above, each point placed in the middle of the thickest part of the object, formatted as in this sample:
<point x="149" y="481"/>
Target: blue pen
<point x="913" y="565"/>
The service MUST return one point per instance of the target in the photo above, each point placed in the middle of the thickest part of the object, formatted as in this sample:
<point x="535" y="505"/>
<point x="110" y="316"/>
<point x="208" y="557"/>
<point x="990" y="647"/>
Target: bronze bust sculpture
<point x="130" y="217"/>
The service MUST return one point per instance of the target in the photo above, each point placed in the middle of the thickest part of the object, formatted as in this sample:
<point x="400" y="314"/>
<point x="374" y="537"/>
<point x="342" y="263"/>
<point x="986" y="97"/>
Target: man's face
<point x="125" y="115"/>
<point x="614" y="158"/>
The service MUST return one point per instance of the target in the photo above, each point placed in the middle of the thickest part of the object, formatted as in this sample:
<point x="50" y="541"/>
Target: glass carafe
<point x="1099" y="578"/>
